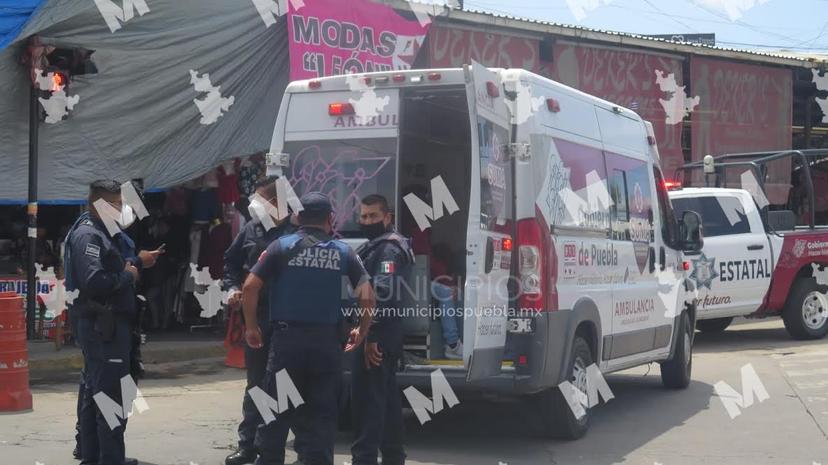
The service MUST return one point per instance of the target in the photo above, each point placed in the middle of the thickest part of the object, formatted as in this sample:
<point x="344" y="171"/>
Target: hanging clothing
<point x="228" y="180"/>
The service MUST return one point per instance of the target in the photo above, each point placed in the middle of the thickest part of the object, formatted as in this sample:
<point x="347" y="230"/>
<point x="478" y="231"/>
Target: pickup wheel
<point x="806" y="311"/>
<point x="676" y="372"/>
<point x="713" y="325"/>
<point x="557" y="419"/>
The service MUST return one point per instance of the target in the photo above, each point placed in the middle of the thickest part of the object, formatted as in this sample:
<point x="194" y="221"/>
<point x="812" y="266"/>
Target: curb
<point x="74" y="361"/>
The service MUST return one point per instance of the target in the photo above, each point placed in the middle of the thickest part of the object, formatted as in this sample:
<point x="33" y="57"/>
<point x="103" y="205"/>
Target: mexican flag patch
<point x="387" y="267"/>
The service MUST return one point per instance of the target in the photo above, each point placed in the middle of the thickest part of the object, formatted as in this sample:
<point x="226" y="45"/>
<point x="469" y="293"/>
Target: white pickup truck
<point x="751" y="267"/>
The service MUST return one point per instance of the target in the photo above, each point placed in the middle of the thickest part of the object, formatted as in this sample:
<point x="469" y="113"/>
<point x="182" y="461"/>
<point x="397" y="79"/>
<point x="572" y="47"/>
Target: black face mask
<point x="373" y="231"/>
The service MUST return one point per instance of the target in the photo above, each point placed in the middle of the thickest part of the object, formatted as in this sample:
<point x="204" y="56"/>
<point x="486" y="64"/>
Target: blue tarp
<point x="13" y="16"/>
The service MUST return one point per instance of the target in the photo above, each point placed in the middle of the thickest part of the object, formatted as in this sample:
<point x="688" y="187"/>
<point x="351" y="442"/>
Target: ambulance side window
<point x="618" y="191"/>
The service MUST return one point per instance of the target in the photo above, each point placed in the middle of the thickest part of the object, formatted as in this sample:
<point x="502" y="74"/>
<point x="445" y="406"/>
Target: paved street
<point x="194" y="409"/>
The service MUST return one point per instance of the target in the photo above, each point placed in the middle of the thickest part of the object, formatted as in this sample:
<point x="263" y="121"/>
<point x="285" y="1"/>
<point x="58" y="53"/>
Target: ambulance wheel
<point x="713" y="325"/>
<point x="806" y="311"/>
<point x="557" y="419"/>
<point x="676" y="372"/>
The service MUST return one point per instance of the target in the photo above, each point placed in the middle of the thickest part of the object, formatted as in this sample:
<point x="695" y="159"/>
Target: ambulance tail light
<point x="685" y="265"/>
<point x="434" y="76"/>
<point x="315" y="84"/>
<point x="340" y="109"/>
<point x="532" y="248"/>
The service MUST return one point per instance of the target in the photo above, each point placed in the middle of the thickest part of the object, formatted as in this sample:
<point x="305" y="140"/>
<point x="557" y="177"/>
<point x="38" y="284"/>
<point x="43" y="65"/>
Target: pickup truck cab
<point x="750" y="267"/>
<point x="548" y="204"/>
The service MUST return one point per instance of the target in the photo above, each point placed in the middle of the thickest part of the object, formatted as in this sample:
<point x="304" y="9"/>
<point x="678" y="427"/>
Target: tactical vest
<point x="308" y="286"/>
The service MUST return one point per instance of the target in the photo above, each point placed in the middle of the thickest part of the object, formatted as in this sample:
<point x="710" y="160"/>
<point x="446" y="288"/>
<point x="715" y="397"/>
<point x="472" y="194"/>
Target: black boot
<point x="240" y="457"/>
<point x="129" y="461"/>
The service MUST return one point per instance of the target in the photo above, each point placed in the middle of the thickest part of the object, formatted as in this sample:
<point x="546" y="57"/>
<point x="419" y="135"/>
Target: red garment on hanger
<point x="228" y="190"/>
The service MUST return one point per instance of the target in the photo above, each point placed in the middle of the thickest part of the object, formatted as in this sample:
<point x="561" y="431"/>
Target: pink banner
<point x="628" y="79"/>
<point x="332" y="37"/>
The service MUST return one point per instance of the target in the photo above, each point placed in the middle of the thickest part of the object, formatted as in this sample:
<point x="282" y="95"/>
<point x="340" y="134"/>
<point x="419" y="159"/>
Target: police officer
<point x="141" y="260"/>
<point x="375" y="399"/>
<point x="105" y="309"/>
<point x="305" y="272"/>
<point x="242" y="254"/>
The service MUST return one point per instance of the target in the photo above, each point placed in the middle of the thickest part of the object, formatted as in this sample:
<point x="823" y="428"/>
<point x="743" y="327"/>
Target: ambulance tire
<point x="713" y="325"/>
<point x="805" y="313"/>
<point x="676" y="372"/>
<point x="557" y="419"/>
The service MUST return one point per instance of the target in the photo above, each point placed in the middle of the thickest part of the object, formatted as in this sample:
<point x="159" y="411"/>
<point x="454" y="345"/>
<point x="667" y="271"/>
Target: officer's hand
<point x="134" y="271"/>
<point x="354" y="340"/>
<point x="149" y="257"/>
<point x="253" y="336"/>
<point x="234" y="300"/>
<point x="373" y="355"/>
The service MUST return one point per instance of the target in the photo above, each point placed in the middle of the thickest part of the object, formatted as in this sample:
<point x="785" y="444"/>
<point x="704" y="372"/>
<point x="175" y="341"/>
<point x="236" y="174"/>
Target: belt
<point x="302" y="324"/>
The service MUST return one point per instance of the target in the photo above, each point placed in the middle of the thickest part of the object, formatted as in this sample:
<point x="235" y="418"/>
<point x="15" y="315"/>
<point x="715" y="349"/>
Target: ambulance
<point x="545" y="206"/>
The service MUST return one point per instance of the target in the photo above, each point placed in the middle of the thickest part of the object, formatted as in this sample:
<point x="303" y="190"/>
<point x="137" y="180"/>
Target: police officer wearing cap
<point x="239" y="258"/>
<point x="375" y="398"/>
<point x="105" y="307"/>
<point x="140" y="260"/>
<point x="305" y="273"/>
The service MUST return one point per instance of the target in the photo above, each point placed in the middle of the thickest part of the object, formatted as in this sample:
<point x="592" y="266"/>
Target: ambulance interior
<point x="435" y="143"/>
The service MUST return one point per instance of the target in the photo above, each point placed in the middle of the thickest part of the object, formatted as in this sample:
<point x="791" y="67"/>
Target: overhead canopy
<point x="138" y="117"/>
<point x="13" y="15"/>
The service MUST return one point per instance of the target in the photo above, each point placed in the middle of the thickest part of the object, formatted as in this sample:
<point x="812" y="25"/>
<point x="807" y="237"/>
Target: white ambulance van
<point x="546" y="206"/>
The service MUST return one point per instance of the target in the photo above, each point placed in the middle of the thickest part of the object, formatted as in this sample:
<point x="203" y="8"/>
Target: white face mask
<point x="127" y="217"/>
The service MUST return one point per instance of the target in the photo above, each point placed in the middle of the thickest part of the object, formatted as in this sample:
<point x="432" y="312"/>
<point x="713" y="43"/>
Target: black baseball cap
<point x="315" y="203"/>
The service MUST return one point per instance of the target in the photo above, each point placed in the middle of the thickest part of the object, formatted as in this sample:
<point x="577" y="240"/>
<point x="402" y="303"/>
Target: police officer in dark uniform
<point x="239" y="258"/>
<point x="140" y="260"/>
<point x="375" y="398"/>
<point x="105" y="308"/>
<point x="305" y="272"/>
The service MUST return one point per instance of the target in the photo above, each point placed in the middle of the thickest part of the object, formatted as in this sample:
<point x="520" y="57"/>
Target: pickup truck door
<point x="732" y="274"/>
<point x="491" y="220"/>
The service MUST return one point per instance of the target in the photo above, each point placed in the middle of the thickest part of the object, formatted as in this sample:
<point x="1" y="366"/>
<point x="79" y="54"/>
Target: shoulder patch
<point x="93" y="250"/>
<point x="262" y="255"/>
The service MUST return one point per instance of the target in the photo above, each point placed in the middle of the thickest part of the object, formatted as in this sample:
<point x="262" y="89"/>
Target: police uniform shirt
<point x="242" y="254"/>
<point x="386" y="258"/>
<point x="97" y="268"/>
<point x="305" y="285"/>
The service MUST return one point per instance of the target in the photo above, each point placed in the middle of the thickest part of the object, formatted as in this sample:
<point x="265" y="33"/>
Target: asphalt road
<point x="194" y="410"/>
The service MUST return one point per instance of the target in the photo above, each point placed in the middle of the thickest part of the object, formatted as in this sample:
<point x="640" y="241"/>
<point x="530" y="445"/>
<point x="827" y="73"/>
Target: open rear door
<point x="491" y="221"/>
